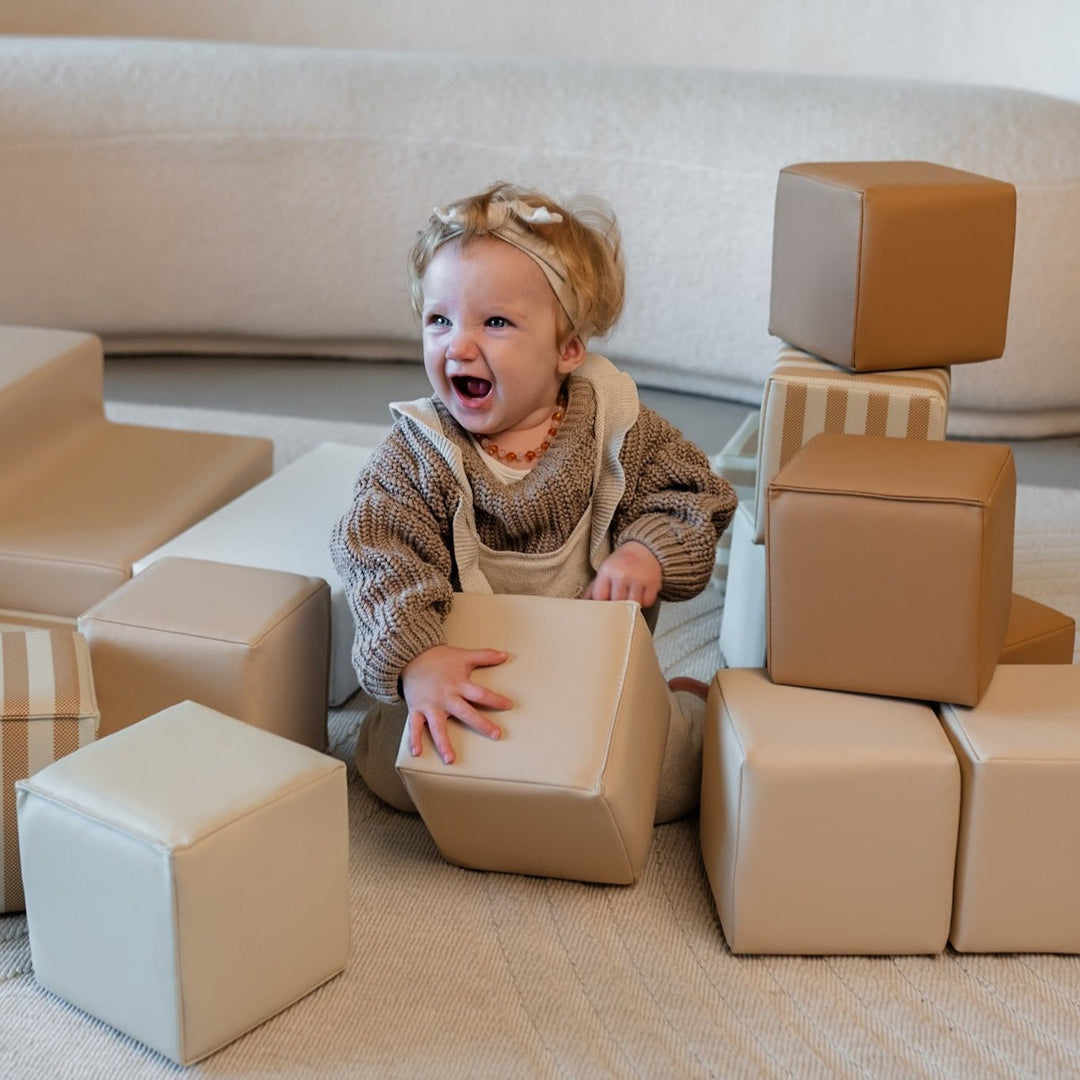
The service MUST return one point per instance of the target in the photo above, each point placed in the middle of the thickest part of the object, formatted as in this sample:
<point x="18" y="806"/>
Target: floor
<point x="360" y="390"/>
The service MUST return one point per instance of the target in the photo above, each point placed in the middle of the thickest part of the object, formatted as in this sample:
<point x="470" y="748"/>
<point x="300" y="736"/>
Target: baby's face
<point x="490" y="349"/>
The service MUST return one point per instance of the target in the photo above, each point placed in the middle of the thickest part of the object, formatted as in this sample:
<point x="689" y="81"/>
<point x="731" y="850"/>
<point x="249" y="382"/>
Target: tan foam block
<point x="828" y="821"/>
<point x="1037" y="634"/>
<point x="48" y="709"/>
<point x="1018" y="859"/>
<point x="884" y="265"/>
<point x="248" y="642"/>
<point x="804" y="396"/>
<point x="890" y="566"/>
<point x="570" y="788"/>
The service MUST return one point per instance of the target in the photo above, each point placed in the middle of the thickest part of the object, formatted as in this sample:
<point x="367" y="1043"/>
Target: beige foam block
<point x="885" y="265"/>
<point x="890" y="566"/>
<point x="249" y="642"/>
<point x="1018" y="860"/>
<point x="828" y="821"/>
<point x="570" y="788"/>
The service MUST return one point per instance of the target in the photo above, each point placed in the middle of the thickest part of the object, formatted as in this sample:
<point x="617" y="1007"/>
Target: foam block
<point x="804" y="396"/>
<point x="890" y="566"/>
<point x="884" y="265"/>
<point x="1037" y="634"/>
<point x="828" y="821"/>
<point x="743" y="620"/>
<point x="186" y="878"/>
<point x="737" y="463"/>
<point x="249" y="642"/>
<point x="570" y="788"/>
<point x="1018" y="860"/>
<point x="48" y="708"/>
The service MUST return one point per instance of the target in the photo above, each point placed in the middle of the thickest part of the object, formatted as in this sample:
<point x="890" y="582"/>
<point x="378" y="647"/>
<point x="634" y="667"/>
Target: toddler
<point x="533" y="469"/>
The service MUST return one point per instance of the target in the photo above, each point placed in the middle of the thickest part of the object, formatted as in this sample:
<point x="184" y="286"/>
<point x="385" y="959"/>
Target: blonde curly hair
<point x="586" y="240"/>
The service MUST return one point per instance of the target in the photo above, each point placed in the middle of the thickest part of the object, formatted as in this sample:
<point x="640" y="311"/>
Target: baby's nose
<point x="461" y="346"/>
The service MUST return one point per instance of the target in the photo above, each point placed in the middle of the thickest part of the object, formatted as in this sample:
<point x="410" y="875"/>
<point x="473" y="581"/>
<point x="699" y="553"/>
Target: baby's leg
<point x="680" y="777"/>
<point x="377" y="741"/>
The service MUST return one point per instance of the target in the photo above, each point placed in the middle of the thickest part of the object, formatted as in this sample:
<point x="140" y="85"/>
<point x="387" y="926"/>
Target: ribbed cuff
<point x="382" y="670"/>
<point x="686" y="568"/>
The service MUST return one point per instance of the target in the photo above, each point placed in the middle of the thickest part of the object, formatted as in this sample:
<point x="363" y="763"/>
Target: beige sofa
<point x="235" y="195"/>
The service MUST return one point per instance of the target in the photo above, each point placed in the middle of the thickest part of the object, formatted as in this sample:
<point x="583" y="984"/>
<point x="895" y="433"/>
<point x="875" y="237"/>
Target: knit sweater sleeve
<point x="392" y="549"/>
<point x="673" y="503"/>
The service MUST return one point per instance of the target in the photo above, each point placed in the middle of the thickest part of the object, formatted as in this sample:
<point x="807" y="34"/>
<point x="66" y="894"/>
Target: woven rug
<point x="456" y="973"/>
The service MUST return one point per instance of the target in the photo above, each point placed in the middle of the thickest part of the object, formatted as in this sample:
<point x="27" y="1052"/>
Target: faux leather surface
<point x="828" y="821"/>
<point x="84" y="498"/>
<point x="743" y="618"/>
<point x="805" y="396"/>
<point x="570" y="788"/>
<point x="1037" y="634"/>
<point x="1018" y="861"/>
<point x="47" y="709"/>
<point x="284" y="524"/>
<point x="890" y="566"/>
<point x="886" y="265"/>
<point x="249" y="642"/>
<point x="199" y="861"/>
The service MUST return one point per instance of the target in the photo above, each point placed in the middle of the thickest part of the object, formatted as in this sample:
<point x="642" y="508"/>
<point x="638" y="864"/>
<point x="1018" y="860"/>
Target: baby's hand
<point x="630" y="572"/>
<point x="437" y="685"/>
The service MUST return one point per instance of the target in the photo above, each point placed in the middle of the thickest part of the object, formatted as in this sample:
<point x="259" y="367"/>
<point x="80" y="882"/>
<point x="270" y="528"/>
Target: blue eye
<point x="436" y="319"/>
<point x="497" y="322"/>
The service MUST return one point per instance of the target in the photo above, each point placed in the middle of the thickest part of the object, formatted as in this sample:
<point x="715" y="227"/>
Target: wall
<point x="1030" y="44"/>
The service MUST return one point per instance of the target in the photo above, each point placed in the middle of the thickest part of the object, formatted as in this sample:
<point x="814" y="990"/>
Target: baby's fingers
<point x="477" y="720"/>
<point x="599" y="588"/>
<point x="487" y="657"/>
<point x="435" y="723"/>
<point x="485" y="697"/>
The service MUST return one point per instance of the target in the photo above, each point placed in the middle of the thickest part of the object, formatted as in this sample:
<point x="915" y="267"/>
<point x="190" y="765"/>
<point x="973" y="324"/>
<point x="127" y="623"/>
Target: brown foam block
<point x="890" y="566"/>
<point x="886" y="265"/>
<point x="1037" y="634"/>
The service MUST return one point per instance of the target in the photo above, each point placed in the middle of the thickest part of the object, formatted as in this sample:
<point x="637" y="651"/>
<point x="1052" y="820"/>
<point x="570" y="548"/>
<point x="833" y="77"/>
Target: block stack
<point x="871" y="580"/>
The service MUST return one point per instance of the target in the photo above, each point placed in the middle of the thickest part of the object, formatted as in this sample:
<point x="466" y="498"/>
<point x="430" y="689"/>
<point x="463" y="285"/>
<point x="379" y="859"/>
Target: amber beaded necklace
<point x="530" y="455"/>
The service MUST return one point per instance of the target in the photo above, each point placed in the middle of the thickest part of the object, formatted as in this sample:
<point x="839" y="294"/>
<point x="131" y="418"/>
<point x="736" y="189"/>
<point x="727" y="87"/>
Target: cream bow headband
<point x="504" y="221"/>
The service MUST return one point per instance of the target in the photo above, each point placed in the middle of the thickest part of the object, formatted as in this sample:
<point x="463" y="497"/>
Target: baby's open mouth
<point x="471" y="388"/>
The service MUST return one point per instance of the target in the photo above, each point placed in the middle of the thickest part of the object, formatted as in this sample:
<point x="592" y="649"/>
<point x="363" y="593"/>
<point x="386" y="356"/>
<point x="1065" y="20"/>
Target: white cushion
<point x="284" y="523"/>
<point x="186" y="878"/>
<point x="743" y="618"/>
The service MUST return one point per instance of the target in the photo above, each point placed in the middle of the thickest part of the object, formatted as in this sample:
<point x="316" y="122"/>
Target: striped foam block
<point x="47" y="710"/>
<point x="805" y="396"/>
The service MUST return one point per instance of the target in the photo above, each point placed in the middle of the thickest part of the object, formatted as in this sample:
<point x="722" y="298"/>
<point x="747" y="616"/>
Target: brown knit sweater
<point x="394" y="546"/>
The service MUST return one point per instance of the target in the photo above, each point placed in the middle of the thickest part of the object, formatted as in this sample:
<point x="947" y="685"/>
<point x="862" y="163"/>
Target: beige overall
<point x="566" y="572"/>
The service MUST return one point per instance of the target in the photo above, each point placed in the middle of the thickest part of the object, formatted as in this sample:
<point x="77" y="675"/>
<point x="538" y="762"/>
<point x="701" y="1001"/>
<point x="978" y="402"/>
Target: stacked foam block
<point x="865" y="763"/>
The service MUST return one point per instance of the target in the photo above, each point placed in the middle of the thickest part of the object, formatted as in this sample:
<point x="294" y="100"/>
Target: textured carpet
<point x="457" y="973"/>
